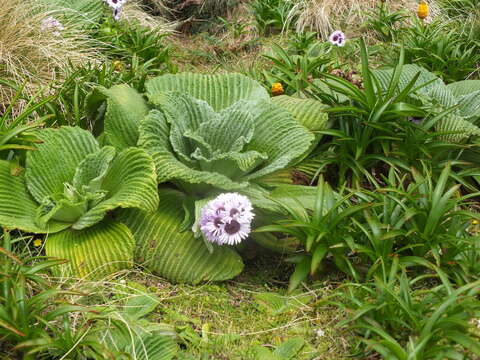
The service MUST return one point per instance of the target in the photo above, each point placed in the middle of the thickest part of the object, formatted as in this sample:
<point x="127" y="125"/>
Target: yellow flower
<point x="37" y="242"/>
<point x="118" y="65"/>
<point x="422" y="11"/>
<point x="475" y="222"/>
<point x="277" y="89"/>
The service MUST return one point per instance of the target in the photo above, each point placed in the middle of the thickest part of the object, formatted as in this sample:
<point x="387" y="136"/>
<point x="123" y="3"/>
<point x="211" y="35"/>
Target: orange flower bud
<point x="277" y="89"/>
<point x="422" y="11"/>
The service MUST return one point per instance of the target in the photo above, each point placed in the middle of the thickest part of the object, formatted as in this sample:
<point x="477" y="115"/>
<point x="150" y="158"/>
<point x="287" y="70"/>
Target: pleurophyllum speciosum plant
<point x="68" y="188"/>
<point x="207" y="134"/>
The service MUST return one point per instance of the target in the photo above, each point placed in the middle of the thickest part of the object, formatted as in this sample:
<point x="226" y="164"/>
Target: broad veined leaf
<point x="465" y="87"/>
<point x="277" y="134"/>
<point x="17" y="207"/>
<point x="129" y="182"/>
<point x="153" y="347"/>
<point x="83" y="13"/>
<point x="125" y="109"/>
<point x="155" y="139"/>
<point x="464" y="95"/>
<point x="175" y="255"/>
<point x="308" y="112"/>
<point x="93" y="252"/>
<point x="55" y="161"/>
<point x="219" y="91"/>
<point x="92" y="170"/>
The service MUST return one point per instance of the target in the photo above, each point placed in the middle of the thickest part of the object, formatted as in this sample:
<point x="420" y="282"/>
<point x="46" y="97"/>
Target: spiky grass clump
<point x="325" y="16"/>
<point x="137" y="11"/>
<point x="36" y="56"/>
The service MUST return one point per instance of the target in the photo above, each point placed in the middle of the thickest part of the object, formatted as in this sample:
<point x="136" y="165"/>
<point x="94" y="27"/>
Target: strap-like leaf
<point x="94" y="252"/>
<point x="55" y="161"/>
<point x="178" y="256"/>
<point x="219" y="91"/>
<point x="125" y="109"/>
<point x="18" y="209"/>
<point x="130" y="182"/>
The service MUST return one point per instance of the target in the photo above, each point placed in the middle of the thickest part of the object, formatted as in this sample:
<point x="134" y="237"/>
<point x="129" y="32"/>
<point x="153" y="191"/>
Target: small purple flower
<point x="337" y="38"/>
<point x="50" y="23"/>
<point x="115" y="4"/>
<point x="227" y="219"/>
<point x="116" y="13"/>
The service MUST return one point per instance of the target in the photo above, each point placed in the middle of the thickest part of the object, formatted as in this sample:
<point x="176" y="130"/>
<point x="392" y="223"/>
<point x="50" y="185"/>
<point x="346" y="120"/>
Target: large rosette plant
<point x="207" y="134"/>
<point x="68" y="189"/>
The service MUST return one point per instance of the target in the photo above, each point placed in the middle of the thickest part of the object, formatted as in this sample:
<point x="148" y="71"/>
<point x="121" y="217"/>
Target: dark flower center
<point x="234" y="212"/>
<point x="217" y="222"/>
<point x="115" y="1"/>
<point x="232" y="228"/>
<point x="220" y="209"/>
<point x="335" y="38"/>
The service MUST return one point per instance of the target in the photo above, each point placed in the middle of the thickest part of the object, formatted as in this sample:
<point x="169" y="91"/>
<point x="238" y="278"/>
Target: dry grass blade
<point x="325" y="16"/>
<point x="31" y="55"/>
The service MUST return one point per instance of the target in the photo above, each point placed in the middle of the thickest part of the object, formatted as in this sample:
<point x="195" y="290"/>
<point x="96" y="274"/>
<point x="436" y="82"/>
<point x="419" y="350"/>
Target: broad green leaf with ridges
<point x="177" y="256"/>
<point x="279" y="136"/>
<point x="126" y="108"/>
<point x="465" y="87"/>
<point x="17" y="207"/>
<point x="154" y="137"/>
<point x="91" y="171"/>
<point x="308" y="112"/>
<point x="154" y="347"/>
<point x="219" y="91"/>
<point x="94" y="252"/>
<point x="454" y="123"/>
<point x="83" y="13"/>
<point x="463" y="94"/>
<point x="55" y="161"/>
<point x="130" y="182"/>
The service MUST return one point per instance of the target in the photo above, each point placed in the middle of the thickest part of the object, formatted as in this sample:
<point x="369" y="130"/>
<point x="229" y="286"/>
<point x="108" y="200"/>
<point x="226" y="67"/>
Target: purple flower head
<point x="227" y="219"/>
<point x="50" y="23"/>
<point x="116" y="4"/>
<point x="337" y="38"/>
<point x="116" y="13"/>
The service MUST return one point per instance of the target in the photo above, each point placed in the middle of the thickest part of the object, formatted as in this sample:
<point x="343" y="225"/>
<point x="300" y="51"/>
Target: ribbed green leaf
<point x="153" y="347"/>
<point x="84" y="13"/>
<point x="55" y="161"/>
<point x="469" y="105"/>
<point x="308" y="112"/>
<point x="92" y="170"/>
<point x="278" y="135"/>
<point x="154" y="137"/>
<point x="17" y="207"/>
<point x="465" y="87"/>
<point x="465" y="95"/>
<point x="94" y="252"/>
<point x="125" y="109"/>
<point x="177" y="256"/>
<point x="460" y="128"/>
<point x="219" y="91"/>
<point x="130" y="182"/>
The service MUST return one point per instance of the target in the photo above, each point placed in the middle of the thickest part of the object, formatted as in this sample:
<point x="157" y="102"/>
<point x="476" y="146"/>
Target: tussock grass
<point x="325" y="16"/>
<point x="136" y="11"/>
<point x="34" y="56"/>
